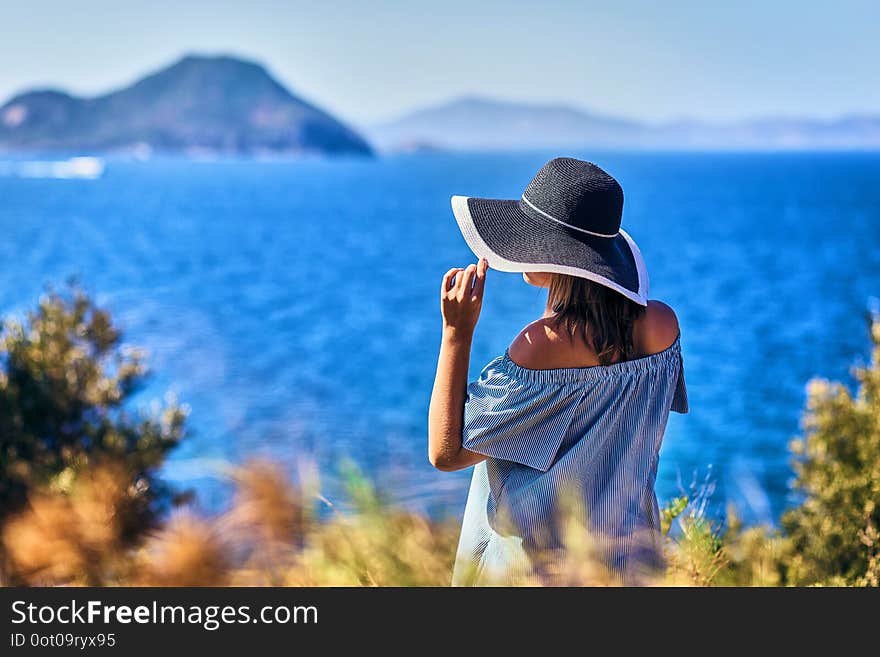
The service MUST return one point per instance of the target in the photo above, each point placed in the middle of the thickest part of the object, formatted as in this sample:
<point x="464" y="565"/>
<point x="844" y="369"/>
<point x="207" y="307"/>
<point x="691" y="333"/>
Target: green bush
<point x="831" y="537"/>
<point x="65" y="383"/>
<point x="834" y="531"/>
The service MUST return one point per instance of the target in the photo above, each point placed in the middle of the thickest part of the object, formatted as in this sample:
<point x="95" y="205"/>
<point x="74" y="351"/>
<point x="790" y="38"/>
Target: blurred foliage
<point x="79" y="495"/>
<point x="835" y="531"/>
<point x="831" y="537"/>
<point x="696" y="557"/>
<point x="65" y="380"/>
<point x="270" y="537"/>
<point x="376" y="545"/>
<point x="671" y="511"/>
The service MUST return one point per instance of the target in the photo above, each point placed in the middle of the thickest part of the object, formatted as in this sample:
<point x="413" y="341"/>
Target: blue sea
<point x="293" y="305"/>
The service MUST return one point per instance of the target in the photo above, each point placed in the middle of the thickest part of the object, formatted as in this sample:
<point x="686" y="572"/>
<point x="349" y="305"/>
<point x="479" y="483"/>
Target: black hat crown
<point x="577" y="194"/>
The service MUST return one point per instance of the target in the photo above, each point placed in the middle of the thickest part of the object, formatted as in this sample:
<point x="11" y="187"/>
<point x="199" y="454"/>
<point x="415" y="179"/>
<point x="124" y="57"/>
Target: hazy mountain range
<point x="483" y="123"/>
<point x="198" y="104"/>
<point x="228" y="105"/>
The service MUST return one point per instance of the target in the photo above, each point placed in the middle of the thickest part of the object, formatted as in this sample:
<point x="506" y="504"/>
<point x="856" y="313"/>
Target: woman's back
<point x="586" y="431"/>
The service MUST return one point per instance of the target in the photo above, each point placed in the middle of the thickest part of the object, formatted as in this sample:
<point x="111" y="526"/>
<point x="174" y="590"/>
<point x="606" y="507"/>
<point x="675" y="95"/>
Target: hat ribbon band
<point x="559" y="221"/>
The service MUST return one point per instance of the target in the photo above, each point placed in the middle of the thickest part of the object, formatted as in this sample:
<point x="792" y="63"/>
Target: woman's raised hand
<point x="461" y="297"/>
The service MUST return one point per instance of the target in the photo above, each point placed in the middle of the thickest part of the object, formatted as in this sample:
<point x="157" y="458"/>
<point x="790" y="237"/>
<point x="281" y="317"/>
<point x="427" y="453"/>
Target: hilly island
<point x="197" y="105"/>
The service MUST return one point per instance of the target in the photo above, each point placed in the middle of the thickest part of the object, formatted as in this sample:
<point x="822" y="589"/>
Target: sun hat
<point x="566" y="222"/>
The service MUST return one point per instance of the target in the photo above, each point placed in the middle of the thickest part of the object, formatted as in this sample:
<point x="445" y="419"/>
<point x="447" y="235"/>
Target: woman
<point x="573" y="414"/>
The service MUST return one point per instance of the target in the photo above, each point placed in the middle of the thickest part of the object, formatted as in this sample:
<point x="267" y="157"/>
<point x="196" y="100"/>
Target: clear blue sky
<point x="373" y="59"/>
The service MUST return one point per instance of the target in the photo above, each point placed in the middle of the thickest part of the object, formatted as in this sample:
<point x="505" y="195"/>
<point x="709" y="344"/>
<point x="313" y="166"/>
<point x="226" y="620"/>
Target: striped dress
<point x="584" y="439"/>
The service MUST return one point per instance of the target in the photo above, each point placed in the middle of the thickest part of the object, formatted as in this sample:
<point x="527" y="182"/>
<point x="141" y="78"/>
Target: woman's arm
<point x="461" y="298"/>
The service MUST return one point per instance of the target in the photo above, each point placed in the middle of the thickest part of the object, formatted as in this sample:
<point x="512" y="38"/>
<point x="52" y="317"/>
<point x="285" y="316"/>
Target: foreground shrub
<point x="835" y="531"/>
<point x="831" y="537"/>
<point x="65" y="380"/>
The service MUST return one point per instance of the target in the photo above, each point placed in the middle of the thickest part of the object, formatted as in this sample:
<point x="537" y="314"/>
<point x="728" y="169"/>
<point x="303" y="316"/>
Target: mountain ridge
<point x="481" y="123"/>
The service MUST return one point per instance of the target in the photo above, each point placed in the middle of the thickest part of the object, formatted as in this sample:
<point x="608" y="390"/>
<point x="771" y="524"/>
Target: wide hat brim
<point x="514" y="240"/>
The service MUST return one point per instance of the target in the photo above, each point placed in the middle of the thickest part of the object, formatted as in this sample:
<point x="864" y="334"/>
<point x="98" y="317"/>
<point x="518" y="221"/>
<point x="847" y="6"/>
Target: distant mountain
<point x="483" y="124"/>
<point x="199" y="104"/>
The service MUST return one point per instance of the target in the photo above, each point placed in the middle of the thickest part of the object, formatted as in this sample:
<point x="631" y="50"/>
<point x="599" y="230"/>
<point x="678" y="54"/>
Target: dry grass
<point x="188" y="551"/>
<point x="76" y="535"/>
<point x="269" y="537"/>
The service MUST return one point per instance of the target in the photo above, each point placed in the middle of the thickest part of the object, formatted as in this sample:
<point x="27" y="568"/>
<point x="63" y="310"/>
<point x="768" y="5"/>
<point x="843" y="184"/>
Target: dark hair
<point x="598" y="314"/>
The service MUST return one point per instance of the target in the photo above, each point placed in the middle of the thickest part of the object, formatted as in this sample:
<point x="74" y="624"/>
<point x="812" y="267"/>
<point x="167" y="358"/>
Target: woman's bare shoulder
<point x="656" y="330"/>
<point x="540" y="346"/>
